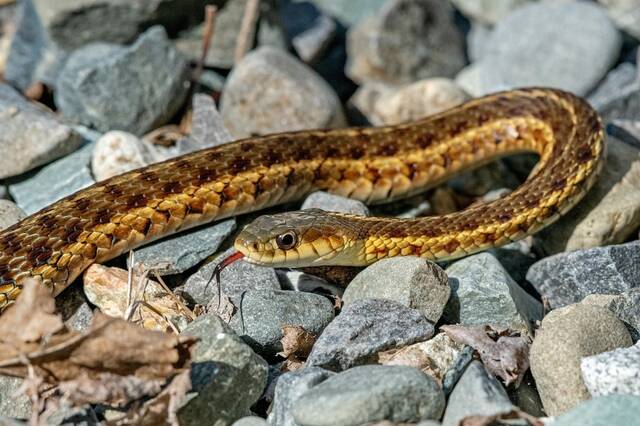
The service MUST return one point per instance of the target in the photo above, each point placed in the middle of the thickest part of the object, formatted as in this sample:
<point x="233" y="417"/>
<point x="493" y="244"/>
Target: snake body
<point x="370" y="164"/>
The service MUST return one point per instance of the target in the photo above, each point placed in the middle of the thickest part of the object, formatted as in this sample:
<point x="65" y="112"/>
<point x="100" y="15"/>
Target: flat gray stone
<point x="265" y="312"/>
<point x="134" y="88"/>
<point x="289" y="388"/>
<point x="396" y="47"/>
<point x="235" y="280"/>
<point x="176" y="254"/>
<point x="365" y="328"/>
<point x="414" y="282"/>
<point x="614" y="372"/>
<point x="626" y="306"/>
<point x="567" y="278"/>
<point x="482" y="292"/>
<point x="371" y="393"/>
<point x="348" y="12"/>
<point x="476" y="393"/>
<point x="207" y="128"/>
<point x="616" y="81"/>
<point x="565" y="336"/>
<point x="227" y="376"/>
<point x="303" y="99"/>
<point x="602" y="411"/>
<point x="334" y="203"/>
<point x="54" y="181"/>
<point x="30" y="135"/>
<point x="568" y="45"/>
<point x="74" y="23"/>
<point x="250" y="421"/>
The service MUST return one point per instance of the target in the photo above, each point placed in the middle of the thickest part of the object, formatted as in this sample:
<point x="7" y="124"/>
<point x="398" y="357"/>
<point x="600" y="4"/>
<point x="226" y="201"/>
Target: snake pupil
<point x="287" y="240"/>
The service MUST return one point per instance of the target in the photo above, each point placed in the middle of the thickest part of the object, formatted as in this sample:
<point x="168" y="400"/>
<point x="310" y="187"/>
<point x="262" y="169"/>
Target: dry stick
<point x="210" y="12"/>
<point x="246" y="34"/>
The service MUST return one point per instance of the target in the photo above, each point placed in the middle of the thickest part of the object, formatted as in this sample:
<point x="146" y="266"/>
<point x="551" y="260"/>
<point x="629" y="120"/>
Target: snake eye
<point x="287" y="241"/>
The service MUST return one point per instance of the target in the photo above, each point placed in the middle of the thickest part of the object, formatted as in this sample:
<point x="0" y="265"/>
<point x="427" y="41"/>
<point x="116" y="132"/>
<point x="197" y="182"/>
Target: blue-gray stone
<point x="612" y="410"/>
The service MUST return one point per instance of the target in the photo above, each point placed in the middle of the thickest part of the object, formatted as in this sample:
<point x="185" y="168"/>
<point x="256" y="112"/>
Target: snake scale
<point x="100" y="222"/>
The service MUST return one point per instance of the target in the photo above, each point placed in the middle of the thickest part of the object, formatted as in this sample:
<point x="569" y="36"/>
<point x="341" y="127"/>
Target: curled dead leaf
<point x="296" y="346"/>
<point x="504" y="353"/>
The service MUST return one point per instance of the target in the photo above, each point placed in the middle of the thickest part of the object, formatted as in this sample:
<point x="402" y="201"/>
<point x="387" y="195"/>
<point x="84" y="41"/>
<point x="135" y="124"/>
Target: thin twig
<point x="247" y="32"/>
<point x="210" y="12"/>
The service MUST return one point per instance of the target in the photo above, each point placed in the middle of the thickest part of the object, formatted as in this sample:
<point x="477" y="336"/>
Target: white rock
<point x="117" y="152"/>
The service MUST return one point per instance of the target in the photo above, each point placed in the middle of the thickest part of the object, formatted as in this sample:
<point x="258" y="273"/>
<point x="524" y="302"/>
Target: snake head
<point x="297" y="239"/>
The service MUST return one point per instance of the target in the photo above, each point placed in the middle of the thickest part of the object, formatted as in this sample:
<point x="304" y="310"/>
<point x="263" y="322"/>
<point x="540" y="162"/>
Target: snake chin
<point x="297" y="239"/>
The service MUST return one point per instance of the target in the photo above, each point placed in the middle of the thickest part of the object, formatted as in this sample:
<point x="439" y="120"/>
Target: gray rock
<point x="12" y="403"/>
<point x="264" y="312"/>
<point x="221" y="53"/>
<point x="618" y="410"/>
<point x="289" y="388"/>
<point x="627" y="308"/>
<point x="457" y="369"/>
<point x="482" y="292"/>
<point x="516" y="258"/>
<point x="566" y="336"/>
<point x="365" y="328"/>
<point x="615" y="82"/>
<point x="54" y="181"/>
<point x="334" y="203"/>
<point x="569" y="45"/>
<point x="348" y="12"/>
<point x="207" y="128"/>
<point x="476" y="393"/>
<point x="476" y="41"/>
<point x="371" y="393"/>
<point x="487" y="11"/>
<point x="396" y="47"/>
<point x="75" y="310"/>
<point x="235" y="280"/>
<point x="178" y="253"/>
<point x="30" y="135"/>
<point x="567" y="278"/>
<point x="414" y="282"/>
<point x="134" y="88"/>
<point x="625" y="14"/>
<point x="9" y="214"/>
<point x="615" y="372"/>
<point x="117" y="152"/>
<point x="303" y="99"/>
<point x="78" y="22"/>
<point x="250" y="421"/>
<point x="227" y="376"/>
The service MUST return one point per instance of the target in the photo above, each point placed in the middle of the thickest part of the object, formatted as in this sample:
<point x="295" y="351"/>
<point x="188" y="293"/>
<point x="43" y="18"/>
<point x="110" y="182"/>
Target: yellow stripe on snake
<point x="370" y="164"/>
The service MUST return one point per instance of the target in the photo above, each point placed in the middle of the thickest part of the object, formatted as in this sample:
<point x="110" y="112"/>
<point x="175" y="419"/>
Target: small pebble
<point x="365" y="328"/>
<point x="335" y="203"/>
<point x="117" y="152"/>
<point x="565" y="337"/>
<point x="414" y="282"/>
<point x="289" y="388"/>
<point x="614" y="372"/>
<point x="567" y="278"/>
<point x="395" y="47"/>
<point x="263" y="313"/>
<point x="476" y="393"/>
<point x="227" y="376"/>
<point x="371" y="393"/>
<point x="482" y="292"/>
<point x="303" y="100"/>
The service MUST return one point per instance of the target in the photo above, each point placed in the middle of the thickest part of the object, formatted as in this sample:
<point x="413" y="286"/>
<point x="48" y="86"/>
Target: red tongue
<point x="220" y="266"/>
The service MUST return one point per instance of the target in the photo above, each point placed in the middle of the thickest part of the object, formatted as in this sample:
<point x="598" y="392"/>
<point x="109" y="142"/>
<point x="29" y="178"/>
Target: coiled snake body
<point x="370" y="164"/>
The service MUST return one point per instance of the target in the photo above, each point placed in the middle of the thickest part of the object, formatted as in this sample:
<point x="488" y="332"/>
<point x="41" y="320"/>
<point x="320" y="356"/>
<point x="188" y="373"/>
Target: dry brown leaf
<point x="504" y="353"/>
<point x="223" y="307"/>
<point x="109" y="389"/>
<point x="32" y="318"/>
<point x="496" y="419"/>
<point x="410" y="356"/>
<point x="296" y="342"/>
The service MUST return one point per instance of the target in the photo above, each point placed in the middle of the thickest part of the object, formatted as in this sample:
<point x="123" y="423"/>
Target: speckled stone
<point x="614" y="372"/>
<point x="365" y="328"/>
<point x="10" y="213"/>
<point x="569" y="277"/>
<point x="565" y="337"/>
<point x="414" y="282"/>
<point x="371" y="393"/>
<point x="334" y="203"/>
